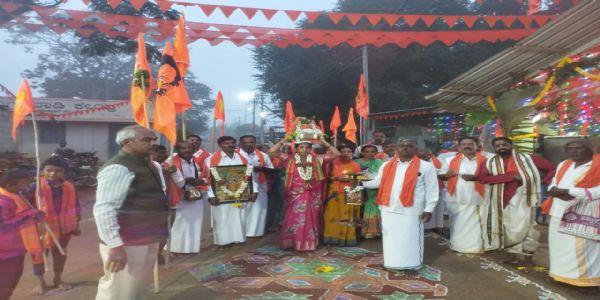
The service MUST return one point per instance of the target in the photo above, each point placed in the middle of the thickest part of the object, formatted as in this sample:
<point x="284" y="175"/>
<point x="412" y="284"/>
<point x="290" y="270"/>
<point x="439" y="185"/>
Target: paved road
<point x="465" y="276"/>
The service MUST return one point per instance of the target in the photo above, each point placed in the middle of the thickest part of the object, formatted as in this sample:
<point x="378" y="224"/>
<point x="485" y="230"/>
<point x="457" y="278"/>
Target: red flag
<point x="165" y="113"/>
<point x="533" y="6"/>
<point x="219" y="113"/>
<point x="362" y="100"/>
<point x="336" y="120"/>
<point x="23" y="106"/>
<point x="350" y="127"/>
<point x="288" y="119"/>
<point x="181" y="56"/>
<point x="141" y="84"/>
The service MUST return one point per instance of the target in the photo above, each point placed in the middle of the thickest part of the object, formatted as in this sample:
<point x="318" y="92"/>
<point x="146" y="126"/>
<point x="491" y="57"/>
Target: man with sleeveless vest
<point x="131" y="212"/>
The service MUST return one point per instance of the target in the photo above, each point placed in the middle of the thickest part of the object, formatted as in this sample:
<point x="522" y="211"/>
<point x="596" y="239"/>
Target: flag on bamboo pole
<point x="141" y="83"/>
<point x="362" y="100"/>
<point x="168" y="83"/>
<point x="219" y="113"/>
<point x="350" y="127"/>
<point x="336" y="121"/>
<point x="289" y="117"/>
<point x="23" y="106"/>
<point x="181" y="56"/>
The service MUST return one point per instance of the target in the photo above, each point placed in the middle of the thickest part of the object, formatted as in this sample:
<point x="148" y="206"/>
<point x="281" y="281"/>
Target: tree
<point x="318" y="78"/>
<point x="64" y="72"/>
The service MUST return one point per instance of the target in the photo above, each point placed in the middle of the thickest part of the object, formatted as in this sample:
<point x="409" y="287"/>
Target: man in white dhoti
<point x="186" y="232"/>
<point x="256" y="212"/>
<point x="437" y="215"/>
<point x="575" y="259"/>
<point x="229" y="220"/>
<point x="514" y="189"/>
<point x="465" y="196"/>
<point x="408" y="193"/>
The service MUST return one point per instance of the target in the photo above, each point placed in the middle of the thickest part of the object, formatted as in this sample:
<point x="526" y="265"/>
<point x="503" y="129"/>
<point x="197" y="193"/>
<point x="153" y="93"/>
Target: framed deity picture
<point x="354" y="196"/>
<point x="232" y="183"/>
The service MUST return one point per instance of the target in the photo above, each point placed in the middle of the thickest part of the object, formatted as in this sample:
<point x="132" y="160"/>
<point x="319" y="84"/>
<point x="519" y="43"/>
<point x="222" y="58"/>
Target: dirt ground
<point x="465" y="276"/>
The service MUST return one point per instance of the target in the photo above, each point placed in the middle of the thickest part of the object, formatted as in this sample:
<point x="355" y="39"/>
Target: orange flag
<point x="140" y="86"/>
<point x="219" y="113"/>
<point x="362" y="100"/>
<point x="289" y="117"/>
<point x="23" y="106"/>
<point x="350" y="127"/>
<point x="165" y="113"/>
<point x="336" y="121"/>
<point x="181" y="56"/>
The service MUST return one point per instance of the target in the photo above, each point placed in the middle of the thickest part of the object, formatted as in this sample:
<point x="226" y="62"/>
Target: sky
<point x="225" y="67"/>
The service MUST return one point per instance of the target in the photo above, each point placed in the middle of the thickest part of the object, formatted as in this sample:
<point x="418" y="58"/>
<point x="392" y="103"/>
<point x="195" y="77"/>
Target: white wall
<point x="80" y="136"/>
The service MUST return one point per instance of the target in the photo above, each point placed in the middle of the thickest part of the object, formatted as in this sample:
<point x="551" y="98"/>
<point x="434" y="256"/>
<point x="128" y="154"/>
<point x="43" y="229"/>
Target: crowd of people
<point x="150" y="204"/>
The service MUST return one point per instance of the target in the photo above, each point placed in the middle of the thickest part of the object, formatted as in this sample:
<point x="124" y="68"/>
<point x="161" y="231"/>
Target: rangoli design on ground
<point x="328" y="273"/>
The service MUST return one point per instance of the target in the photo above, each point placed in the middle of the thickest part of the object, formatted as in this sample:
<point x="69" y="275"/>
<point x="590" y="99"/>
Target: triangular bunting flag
<point x="268" y="13"/>
<point x="450" y="20"/>
<point x="227" y="10"/>
<point x="354" y="18"/>
<point x="293" y="14"/>
<point x="164" y="5"/>
<point x="249" y="12"/>
<point x="409" y="19"/>
<point x="429" y="19"/>
<point x="335" y="17"/>
<point x="207" y="9"/>
<point x="469" y="20"/>
<point x="391" y="19"/>
<point x="374" y="19"/>
<point x="312" y="15"/>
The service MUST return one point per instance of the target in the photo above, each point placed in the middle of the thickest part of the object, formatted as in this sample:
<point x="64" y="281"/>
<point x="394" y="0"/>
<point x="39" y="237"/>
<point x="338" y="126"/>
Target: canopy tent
<point x="569" y="34"/>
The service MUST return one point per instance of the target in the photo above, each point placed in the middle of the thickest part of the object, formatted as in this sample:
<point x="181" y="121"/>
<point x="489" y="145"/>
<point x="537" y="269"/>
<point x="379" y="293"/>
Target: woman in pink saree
<point x="303" y="196"/>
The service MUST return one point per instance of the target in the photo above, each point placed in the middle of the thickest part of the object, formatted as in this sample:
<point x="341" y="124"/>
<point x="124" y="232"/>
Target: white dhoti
<point x="403" y="240"/>
<point x="466" y="228"/>
<point x="518" y="232"/>
<point x="437" y="215"/>
<point x="256" y="215"/>
<point x="133" y="282"/>
<point x="573" y="260"/>
<point x="186" y="232"/>
<point x="229" y="224"/>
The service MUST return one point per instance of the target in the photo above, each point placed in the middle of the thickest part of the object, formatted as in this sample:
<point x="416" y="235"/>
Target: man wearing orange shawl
<point x="408" y="193"/>
<point x="229" y="220"/>
<point x="437" y="217"/>
<point x="256" y="212"/>
<point x="465" y="196"/>
<point x="18" y="231"/>
<point x="186" y="232"/>
<point x="61" y="206"/>
<point x="575" y="260"/>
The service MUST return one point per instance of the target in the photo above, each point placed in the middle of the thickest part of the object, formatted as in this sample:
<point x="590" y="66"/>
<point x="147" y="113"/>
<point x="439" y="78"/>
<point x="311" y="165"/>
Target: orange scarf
<point x="202" y="157"/>
<point x="29" y="232"/>
<point x="202" y="171"/>
<point x="216" y="159"/>
<point x="408" y="186"/>
<point x="261" y="163"/>
<point x="382" y="155"/>
<point x="64" y="223"/>
<point x="436" y="162"/>
<point x="340" y="168"/>
<point x="455" y="166"/>
<point x="590" y="180"/>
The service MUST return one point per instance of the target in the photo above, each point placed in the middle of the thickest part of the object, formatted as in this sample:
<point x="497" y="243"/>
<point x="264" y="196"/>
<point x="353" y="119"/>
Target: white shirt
<point x="113" y="185"/>
<point x="571" y="177"/>
<point x="230" y="161"/>
<point x="426" y="193"/>
<point x="253" y="160"/>
<point x="465" y="190"/>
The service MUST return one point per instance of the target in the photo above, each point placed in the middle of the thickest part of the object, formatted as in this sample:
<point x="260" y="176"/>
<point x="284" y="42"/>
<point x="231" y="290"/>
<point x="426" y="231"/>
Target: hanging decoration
<point x="88" y="23"/>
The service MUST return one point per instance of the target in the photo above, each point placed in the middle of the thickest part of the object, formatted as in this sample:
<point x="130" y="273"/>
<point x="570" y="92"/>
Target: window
<point x="52" y="132"/>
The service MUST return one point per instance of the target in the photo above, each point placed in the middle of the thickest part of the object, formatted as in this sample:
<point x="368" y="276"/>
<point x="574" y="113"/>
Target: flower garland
<point x="354" y="190"/>
<point x="306" y="173"/>
<point x="237" y="193"/>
